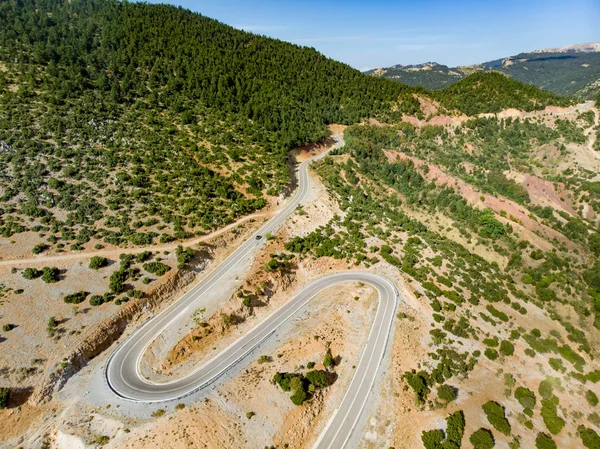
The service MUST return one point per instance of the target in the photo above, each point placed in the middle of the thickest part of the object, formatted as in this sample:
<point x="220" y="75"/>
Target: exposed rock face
<point x="99" y="339"/>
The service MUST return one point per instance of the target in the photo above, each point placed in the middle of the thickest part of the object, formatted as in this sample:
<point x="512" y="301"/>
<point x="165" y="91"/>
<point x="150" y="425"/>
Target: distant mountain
<point x="570" y="70"/>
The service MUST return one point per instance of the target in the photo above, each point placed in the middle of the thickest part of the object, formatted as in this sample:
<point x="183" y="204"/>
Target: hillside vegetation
<point x="133" y="124"/>
<point x="493" y="92"/>
<point x="126" y="122"/>
<point x="508" y="290"/>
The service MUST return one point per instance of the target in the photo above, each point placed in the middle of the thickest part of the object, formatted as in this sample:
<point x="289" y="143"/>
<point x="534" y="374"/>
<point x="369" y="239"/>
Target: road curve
<point x="122" y="369"/>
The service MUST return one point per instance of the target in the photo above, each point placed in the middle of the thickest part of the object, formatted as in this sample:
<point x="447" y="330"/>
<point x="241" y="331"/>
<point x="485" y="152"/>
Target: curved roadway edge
<point x="122" y="368"/>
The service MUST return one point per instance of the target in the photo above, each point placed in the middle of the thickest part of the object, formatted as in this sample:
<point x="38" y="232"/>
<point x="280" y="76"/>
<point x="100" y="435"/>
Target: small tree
<point x="98" y="262"/>
<point x="446" y="393"/>
<point x="31" y="273"/>
<point x="544" y="441"/>
<point x="52" y="325"/>
<point x="50" y="274"/>
<point x="328" y="361"/>
<point x="96" y="300"/>
<point x="482" y="439"/>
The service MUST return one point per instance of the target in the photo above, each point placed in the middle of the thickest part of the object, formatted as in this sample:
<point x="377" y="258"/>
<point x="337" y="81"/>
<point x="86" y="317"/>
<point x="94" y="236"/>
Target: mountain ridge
<point x="569" y="70"/>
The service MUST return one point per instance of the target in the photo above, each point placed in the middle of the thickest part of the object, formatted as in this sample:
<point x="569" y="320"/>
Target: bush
<point x="545" y="388"/>
<point x="157" y="268"/>
<point x="183" y="256"/>
<point x="496" y="417"/>
<point x="299" y="393"/>
<point x="446" y="393"/>
<point x="544" y="441"/>
<point x="455" y="429"/>
<point x="432" y="439"/>
<point x="96" y="300"/>
<point x="7" y="327"/>
<point x="31" y="273"/>
<point x="553" y="422"/>
<point x="526" y="397"/>
<point x="273" y="264"/>
<point x="589" y="437"/>
<point x="75" y="298"/>
<point x="98" y="262"/>
<point x="143" y="256"/>
<point x="40" y="248"/>
<point x="491" y="354"/>
<point x="482" y="439"/>
<point x="50" y="274"/>
<point x="507" y="348"/>
<point x="4" y="397"/>
<point x="317" y="378"/>
<point x="591" y="398"/>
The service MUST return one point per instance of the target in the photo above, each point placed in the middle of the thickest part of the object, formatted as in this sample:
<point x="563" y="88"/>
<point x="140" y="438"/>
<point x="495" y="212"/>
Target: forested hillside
<point x="492" y="92"/>
<point x="123" y="123"/>
<point x="126" y="122"/>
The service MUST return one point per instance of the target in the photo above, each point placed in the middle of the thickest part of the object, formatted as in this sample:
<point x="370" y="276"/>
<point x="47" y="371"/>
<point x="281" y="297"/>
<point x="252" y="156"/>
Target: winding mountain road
<point x="122" y="371"/>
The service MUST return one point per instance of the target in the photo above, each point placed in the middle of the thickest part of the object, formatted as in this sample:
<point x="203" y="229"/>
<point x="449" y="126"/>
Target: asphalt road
<point x="122" y="369"/>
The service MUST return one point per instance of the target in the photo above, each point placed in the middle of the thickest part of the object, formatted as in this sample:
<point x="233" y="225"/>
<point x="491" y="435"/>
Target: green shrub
<point x="482" y="439"/>
<point x="507" y="348"/>
<point x="183" y="256"/>
<point x="75" y="298"/>
<point x="117" y="281"/>
<point x="299" y="393"/>
<point x="455" y="429"/>
<point x="97" y="262"/>
<point x="526" y="397"/>
<point x="318" y="378"/>
<point x="545" y="388"/>
<point x="432" y="439"/>
<point x="446" y="393"/>
<point x="553" y="422"/>
<point x="592" y="398"/>
<point x="157" y="268"/>
<point x="31" y="273"/>
<point x="143" y="256"/>
<point x="96" y="300"/>
<point x="589" y="437"/>
<point x="418" y="383"/>
<point x="273" y="264"/>
<point x="496" y="417"/>
<point x="39" y="248"/>
<point x="50" y="274"/>
<point x="491" y="342"/>
<point x="544" y="441"/>
<point x="491" y="354"/>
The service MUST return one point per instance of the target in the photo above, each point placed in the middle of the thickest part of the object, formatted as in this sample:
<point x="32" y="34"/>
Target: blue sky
<point x="379" y="33"/>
